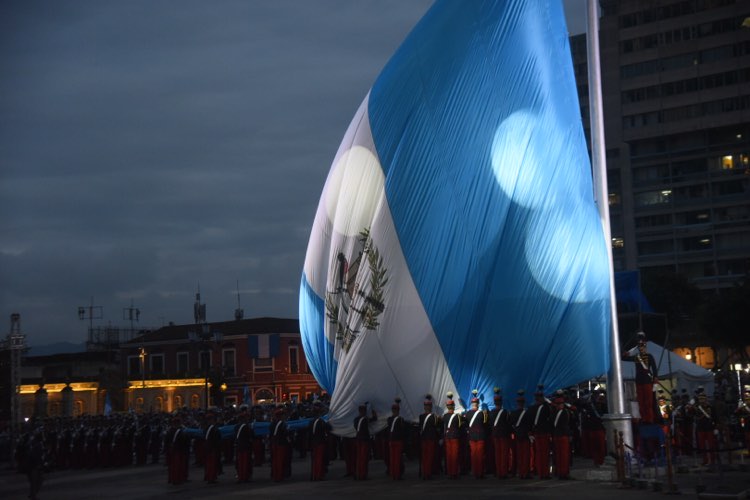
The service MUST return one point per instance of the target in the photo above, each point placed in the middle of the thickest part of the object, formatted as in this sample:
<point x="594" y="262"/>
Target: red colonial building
<point x="247" y="361"/>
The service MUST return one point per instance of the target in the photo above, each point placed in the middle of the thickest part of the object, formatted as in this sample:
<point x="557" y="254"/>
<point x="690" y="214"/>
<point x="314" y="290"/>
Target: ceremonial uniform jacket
<point x="560" y="422"/>
<point x="213" y="438"/>
<point x="500" y="422"/>
<point x="429" y="426"/>
<point x="591" y="417"/>
<point x="521" y="421"/>
<point x="397" y="428"/>
<point x="362" y="427"/>
<point x="452" y="426"/>
<point x="279" y="433"/>
<point x="542" y="418"/>
<point x="476" y="420"/>
<point x="704" y="419"/>
<point x="318" y="431"/>
<point x="243" y="438"/>
<point x="645" y="367"/>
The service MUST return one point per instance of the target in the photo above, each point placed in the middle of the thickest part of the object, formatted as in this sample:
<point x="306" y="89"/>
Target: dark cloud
<point x="151" y="147"/>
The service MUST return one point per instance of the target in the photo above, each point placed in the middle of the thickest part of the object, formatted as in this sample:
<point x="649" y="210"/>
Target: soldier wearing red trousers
<point x="705" y="426"/>
<point x="521" y="420"/>
<point x="280" y="449"/>
<point x="430" y="433"/>
<point x="541" y="430"/>
<point x="212" y="438"/>
<point x="259" y="448"/>
<point x="243" y="442"/>
<point x="477" y="421"/>
<point x="397" y="431"/>
<point x="362" y="441"/>
<point x="452" y="431"/>
<point x="176" y="446"/>
<point x="501" y="432"/>
<point x="318" y="435"/>
<point x="645" y="378"/>
<point x="561" y="438"/>
<point x="592" y="427"/>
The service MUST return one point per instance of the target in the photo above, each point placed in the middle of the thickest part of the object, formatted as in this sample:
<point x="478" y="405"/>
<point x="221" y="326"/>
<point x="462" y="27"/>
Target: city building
<point x="216" y="364"/>
<point x="676" y="97"/>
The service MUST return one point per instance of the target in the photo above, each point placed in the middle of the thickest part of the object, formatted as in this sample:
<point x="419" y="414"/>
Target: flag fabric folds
<point x="456" y="245"/>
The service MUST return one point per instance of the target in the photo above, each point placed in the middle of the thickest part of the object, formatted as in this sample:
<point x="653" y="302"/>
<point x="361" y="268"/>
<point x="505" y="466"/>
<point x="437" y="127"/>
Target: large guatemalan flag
<point x="456" y="245"/>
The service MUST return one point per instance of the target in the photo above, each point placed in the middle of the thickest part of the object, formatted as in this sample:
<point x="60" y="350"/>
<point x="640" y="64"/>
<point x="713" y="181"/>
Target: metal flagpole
<point x="616" y="419"/>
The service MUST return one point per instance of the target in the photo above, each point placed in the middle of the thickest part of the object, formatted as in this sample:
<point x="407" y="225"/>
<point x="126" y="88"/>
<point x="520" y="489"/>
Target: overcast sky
<point x="151" y="147"/>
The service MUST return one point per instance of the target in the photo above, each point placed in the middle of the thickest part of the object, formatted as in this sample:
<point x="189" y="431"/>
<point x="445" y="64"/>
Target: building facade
<point x="676" y="92"/>
<point x="216" y="364"/>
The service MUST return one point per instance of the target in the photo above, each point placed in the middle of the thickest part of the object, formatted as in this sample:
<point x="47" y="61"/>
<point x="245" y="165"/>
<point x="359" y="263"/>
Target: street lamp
<point x="204" y="336"/>
<point x="738" y="368"/>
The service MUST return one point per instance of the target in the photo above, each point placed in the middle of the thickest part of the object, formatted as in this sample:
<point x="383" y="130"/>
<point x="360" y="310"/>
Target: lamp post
<point x="204" y="336"/>
<point x="738" y="368"/>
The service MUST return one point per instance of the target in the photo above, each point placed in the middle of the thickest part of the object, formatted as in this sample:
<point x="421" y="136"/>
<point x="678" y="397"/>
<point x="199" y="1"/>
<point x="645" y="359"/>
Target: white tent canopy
<point x="683" y="373"/>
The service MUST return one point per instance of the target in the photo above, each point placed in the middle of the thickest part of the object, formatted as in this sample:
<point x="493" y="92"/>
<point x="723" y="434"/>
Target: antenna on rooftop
<point x="239" y="313"/>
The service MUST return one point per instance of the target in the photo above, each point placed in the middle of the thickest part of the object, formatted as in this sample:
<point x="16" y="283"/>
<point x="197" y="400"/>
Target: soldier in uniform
<point x="645" y="378"/>
<point x="592" y="426"/>
<point x="243" y="442"/>
<point x="541" y="432"/>
<point x="452" y="430"/>
<point x="561" y="438"/>
<point x="171" y="444"/>
<point x="280" y="448"/>
<point x="477" y="421"/>
<point x="259" y="447"/>
<point x="362" y="441"/>
<point x="501" y="432"/>
<point x="212" y="439"/>
<point x="522" y="421"/>
<point x="705" y="424"/>
<point x="429" y="436"/>
<point x="397" y="433"/>
<point x="743" y="413"/>
<point x="318" y="436"/>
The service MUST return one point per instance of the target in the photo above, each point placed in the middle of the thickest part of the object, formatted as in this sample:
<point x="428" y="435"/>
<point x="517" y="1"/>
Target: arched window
<point x="195" y="401"/>
<point x="158" y="403"/>
<point x="79" y="408"/>
<point x="139" y="404"/>
<point x="263" y="396"/>
<point x="177" y="402"/>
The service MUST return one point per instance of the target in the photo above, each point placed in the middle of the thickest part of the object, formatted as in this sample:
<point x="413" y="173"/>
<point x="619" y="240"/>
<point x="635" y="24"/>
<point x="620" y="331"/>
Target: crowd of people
<point x="534" y="440"/>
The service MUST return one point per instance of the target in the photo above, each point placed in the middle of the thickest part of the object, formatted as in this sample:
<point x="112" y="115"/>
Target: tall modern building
<point x="676" y="92"/>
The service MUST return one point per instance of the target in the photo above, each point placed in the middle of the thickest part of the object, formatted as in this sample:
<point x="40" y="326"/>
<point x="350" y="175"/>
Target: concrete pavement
<point x="147" y="482"/>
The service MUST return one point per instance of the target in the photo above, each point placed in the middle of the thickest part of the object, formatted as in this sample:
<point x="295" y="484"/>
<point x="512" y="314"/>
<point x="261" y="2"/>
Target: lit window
<point x="726" y="162"/>
<point x="618" y="243"/>
<point x="705" y="241"/>
<point x="704" y="356"/>
<point x="614" y="199"/>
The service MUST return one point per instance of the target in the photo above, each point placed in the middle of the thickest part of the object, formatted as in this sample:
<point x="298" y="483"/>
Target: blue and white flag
<point x="456" y="245"/>
<point x="264" y="345"/>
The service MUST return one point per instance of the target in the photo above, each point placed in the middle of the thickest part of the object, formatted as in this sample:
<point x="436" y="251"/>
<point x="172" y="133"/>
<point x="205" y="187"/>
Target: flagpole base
<point x="622" y="423"/>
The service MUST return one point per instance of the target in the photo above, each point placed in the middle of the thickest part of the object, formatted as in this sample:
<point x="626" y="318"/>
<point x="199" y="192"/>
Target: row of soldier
<point x="698" y="424"/>
<point x="502" y="442"/>
<point x="523" y="441"/>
